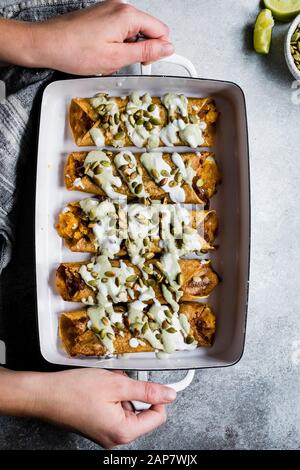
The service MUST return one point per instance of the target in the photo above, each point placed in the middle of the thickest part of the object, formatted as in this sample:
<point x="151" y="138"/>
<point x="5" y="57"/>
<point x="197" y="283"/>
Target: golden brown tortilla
<point x="198" y="280"/>
<point x="77" y="339"/>
<point x="83" y="117"/>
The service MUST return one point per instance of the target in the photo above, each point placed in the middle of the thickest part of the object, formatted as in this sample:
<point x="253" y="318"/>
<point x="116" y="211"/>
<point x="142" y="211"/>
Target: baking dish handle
<point x="178" y="386"/>
<point x="173" y="59"/>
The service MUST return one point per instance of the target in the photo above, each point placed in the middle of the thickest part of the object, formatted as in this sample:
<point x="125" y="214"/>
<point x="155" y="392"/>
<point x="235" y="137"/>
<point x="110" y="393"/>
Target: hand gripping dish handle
<point x="143" y="375"/>
<point x="177" y="386"/>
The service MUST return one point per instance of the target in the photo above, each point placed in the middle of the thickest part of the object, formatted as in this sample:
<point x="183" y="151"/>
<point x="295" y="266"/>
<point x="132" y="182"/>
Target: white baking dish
<point x="232" y="202"/>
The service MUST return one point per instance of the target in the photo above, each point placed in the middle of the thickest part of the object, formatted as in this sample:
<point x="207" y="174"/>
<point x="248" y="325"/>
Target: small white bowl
<point x="287" y="49"/>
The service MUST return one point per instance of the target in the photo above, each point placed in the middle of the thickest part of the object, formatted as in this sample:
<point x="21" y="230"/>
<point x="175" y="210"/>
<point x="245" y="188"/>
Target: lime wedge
<point x="283" y="10"/>
<point x="263" y="32"/>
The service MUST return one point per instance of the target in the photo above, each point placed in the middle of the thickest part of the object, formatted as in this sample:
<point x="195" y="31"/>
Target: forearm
<point x="17" y="45"/>
<point x="19" y="392"/>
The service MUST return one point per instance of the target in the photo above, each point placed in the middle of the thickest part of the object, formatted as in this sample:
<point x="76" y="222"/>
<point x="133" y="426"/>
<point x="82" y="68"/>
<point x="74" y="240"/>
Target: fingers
<point x="148" y="392"/>
<point x="149" y="50"/>
<point x="138" y="424"/>
<point x="139" y="22"/>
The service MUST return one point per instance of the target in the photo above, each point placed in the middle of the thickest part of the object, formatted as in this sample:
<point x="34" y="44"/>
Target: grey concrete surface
<point x="255" y="404"/>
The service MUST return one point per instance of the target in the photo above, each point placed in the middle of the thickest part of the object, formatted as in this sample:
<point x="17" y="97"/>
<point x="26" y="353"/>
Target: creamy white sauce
<point x="104" y="216"/>
<point x="188" y="173"/>
<point x="105" y="286"/>
<point x="110" y="109"/>
<point x="138" y="133"/>
<point x="105" y="179"/>
<point x="130" y="173"/>
<point x="156" y="167"/>
<point x="97" y="136"/>
<point x="191" y="134"/>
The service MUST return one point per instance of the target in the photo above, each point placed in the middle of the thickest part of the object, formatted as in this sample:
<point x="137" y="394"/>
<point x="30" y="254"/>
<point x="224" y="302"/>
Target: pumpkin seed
<point x="165" y="324"/>
<point x="163" y="181"/>
<point x="148" y="270"/>
<point x="92" y="283"/>
<point x="168" y="314"/>
<point x="122" y="167"/>
<point x="171" y="330"/>
<point x="140" y="122"/>
<point x="94" y="274"/>
<point x="105" y="163"/>
<point x="119" y="135"/>
<point x="154" y="173"/>
<point x="178" y="177"/>
<point x="116" y="118"/>
<point x="155" y="121"/>
<point x="105" y="321"/>
<point x="148" y="125"/>
<point x="172" y="183"/>
<point x="145" y="328"/>
<point x="119" y="325"/>
<point x="150" y="282"/>
<point x="138" y="189"/>
<point x="146" y="241"/>
<point x="164" y="173"/>
<point x="151" y="107"/>
<point x="179" y="279"/>
<point x="109" y="274"/>
<point x="185" y="119"/>
<point x="189" y="339"/>
<point x="199" y="183"/>
<point x="131" y="120"/>
<point x="158" y="336"/>
<point x="102" y="334"/>
<point x="138" y="114"/>
<point x="95" y="329"/>
<point x="98" y="170"/>
<point x="110" y="336"/>
<point x="131" y="278"/>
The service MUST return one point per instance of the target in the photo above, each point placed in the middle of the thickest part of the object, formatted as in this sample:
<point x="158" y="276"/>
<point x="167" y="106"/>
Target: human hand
<point x="91" y="41"/>
<point x="96" y="403"/>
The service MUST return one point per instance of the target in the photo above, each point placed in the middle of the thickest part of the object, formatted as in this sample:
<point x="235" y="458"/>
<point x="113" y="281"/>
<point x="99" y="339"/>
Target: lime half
<point x="263" y="32"/>
<point x="283" y="10"/>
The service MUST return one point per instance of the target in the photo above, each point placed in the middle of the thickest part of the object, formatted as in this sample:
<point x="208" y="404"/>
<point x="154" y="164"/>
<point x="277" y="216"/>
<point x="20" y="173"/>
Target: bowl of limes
<point x="292" y="48"/>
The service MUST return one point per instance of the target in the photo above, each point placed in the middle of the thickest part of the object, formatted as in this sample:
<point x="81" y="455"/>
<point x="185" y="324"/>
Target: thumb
<point x="146" y="51"/>
<point x="147" y="392"/>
